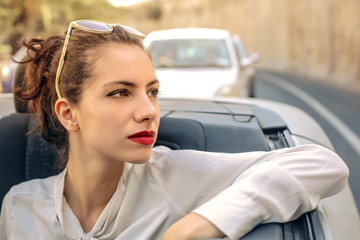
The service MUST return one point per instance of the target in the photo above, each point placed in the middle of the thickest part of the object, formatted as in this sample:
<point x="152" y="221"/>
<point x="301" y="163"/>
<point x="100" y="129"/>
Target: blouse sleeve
<point x="262" y="187"/>
<point x="5" y="217"/>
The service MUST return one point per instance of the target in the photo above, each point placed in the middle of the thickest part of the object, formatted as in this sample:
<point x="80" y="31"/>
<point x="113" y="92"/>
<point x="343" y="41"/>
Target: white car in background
<point x="247" y="60"/>
<point x="197" y="62"/>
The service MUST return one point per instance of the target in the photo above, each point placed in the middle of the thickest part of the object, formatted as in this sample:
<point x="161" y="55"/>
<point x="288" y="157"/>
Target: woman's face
<point x="118" y="114"/>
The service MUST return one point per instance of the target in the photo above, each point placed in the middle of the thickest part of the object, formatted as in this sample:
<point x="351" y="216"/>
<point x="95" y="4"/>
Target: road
<point x="336" y="109"/>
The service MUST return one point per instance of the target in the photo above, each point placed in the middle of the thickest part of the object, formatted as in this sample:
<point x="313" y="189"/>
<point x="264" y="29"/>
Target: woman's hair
<point x="38" y="89"/>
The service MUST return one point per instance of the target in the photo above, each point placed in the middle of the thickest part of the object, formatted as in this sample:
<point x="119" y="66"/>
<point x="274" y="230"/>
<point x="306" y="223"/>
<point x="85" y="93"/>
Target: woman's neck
<point x="89" y="186"/>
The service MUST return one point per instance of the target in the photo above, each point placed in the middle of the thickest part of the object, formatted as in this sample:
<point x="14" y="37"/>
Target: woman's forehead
<point x="125" y="53"/>
<point x="123" y="62"/>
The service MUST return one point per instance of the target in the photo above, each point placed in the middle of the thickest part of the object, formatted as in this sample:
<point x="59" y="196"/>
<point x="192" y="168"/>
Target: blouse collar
<point x="71" y="225"/>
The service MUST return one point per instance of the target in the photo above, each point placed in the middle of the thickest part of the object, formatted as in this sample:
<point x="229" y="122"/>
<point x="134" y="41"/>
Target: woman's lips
<point x="144" y="137"/>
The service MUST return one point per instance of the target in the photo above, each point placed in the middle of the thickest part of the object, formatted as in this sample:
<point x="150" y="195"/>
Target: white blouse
<point x="236" y="192"/>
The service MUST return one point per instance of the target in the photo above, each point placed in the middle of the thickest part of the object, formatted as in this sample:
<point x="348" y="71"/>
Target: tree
<point x="29" y="18"/>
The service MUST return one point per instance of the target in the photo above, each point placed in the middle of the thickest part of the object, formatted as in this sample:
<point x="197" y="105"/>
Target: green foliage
<point x="31" y="18"/>
<point x="154" y="12"/>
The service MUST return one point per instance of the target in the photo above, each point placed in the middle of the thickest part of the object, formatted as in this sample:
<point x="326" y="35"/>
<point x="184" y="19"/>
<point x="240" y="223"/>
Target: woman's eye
<point x="153" y="92"/>
<point x="119" y="93"/>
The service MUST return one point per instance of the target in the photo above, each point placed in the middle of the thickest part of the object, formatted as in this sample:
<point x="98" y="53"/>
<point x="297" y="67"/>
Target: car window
<point x="241" y="49"/>
<point x="190" y="53"/>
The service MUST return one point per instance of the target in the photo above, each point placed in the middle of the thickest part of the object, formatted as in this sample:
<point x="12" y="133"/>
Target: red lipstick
<point x="144" y="137"/>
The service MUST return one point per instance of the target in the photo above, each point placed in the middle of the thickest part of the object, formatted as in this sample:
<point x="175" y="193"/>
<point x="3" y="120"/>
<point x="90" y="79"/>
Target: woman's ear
<point x="65" y="114"/>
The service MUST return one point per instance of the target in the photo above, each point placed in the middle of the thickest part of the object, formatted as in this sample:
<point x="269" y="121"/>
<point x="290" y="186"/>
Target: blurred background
<point x="320" y="39"/>
<point x="309" y="50"/>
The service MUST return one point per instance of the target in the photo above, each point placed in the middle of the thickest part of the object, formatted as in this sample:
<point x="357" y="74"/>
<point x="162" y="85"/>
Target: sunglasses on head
<point x="89" y="26"/>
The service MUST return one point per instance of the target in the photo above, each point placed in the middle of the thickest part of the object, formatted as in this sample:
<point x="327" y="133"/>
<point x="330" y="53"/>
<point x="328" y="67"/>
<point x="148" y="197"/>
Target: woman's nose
<point x="146" y="109"/>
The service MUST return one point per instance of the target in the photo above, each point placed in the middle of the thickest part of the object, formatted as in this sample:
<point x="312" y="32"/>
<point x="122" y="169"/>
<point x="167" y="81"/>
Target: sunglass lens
<point x="95" y="26"/>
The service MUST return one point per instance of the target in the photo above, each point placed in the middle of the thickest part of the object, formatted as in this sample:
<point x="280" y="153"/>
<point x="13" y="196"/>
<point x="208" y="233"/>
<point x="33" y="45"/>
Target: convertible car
<point x="216" y="125"/>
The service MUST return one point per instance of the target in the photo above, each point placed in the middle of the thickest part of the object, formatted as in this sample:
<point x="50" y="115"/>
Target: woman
<point x="95" y="93"/>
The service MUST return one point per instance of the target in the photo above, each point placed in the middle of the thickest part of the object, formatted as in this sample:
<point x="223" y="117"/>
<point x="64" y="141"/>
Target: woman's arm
<point x="276" y="186"/>
<point x="192" y="226"/>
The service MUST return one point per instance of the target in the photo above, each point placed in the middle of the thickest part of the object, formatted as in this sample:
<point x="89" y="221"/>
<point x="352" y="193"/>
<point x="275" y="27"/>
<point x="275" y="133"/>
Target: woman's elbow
<point x="336" y="171"/>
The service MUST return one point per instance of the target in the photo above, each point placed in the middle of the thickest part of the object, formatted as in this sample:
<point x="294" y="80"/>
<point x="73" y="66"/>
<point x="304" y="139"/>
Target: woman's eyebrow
<point x="126" y="83"/>
<point x="152" y="83"/>
<point x="130" y="84"/>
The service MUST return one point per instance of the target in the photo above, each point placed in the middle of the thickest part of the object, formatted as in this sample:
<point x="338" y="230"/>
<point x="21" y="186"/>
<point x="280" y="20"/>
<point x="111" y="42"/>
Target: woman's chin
<point x="139" y="158"/>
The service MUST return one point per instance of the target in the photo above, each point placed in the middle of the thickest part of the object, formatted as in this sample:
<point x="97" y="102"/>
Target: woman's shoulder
<point x="33" y="199"/>
<point x="44" y="186"/>
<point x="184" y="156"/>
<point x="181" y="160"/>
<point x="163" y="152"/>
